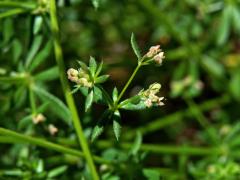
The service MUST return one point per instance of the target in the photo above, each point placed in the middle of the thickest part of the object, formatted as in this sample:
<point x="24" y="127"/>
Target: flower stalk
<point x="67" y="91"/>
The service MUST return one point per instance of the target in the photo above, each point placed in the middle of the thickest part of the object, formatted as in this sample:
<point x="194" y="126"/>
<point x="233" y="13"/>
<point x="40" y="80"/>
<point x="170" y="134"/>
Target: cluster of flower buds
<point x="156" y="54"/>
<point x="80" y="77"/>
<point x="150" y="95"/>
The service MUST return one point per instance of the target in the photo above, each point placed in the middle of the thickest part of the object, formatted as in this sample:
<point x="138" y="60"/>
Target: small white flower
<point x="38" y="118"/>
<point x="52" y="129"/>
<point x="72" y="75"/>
<point x="159" y="58"/>
<point x="148" y="103"/>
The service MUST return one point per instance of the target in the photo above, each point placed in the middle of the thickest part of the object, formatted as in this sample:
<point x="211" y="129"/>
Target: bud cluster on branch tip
<point x="156" y="54"/>
<point x="38" y="118"/>
<point x="80" y="77"/>
<point x="150" y="95"/>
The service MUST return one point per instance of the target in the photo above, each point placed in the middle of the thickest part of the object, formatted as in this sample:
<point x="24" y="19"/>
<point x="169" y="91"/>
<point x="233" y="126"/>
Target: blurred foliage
<point x="194" y="136"/>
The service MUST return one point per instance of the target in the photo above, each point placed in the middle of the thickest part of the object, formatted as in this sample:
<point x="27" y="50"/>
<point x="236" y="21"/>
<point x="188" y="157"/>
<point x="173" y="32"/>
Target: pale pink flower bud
<point x="154" y="50"/>
<point x="148" y="103"/>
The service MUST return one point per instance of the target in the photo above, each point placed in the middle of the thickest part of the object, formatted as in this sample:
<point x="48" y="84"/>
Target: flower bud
<point x="72" y="75"/>
<point x="153" y="51"/>
<point x="159" y="58"/>
<point x="52" y="129"/>
<point x="38" y="118"/>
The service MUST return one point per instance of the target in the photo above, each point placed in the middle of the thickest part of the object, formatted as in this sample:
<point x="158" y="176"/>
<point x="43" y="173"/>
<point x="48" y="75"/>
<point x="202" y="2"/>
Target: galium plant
<point x="88" y="80"/>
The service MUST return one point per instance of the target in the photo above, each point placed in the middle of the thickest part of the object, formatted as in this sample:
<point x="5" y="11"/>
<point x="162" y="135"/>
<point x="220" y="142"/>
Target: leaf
<point x="34" y="49"/>
<point x="135" y="47"/>
<point x="57" y="171"/>
<point x="8" y="30"/>
<point x="92" y="66"/>
<point x="55" y="104"/>
<point x="48" y="75"/>
<point x="38" y="20"/>
<point x="133" y="103"/>
<point x="41" y="56"/>
<point x="17" y="50"/>
<point x="116" y="124"/>
<point x="151" y="174"/>
<point x="234" y="85"/>
<point x="99" y="69"/>
<point x="224" y="28"/>
<point x="137" y="144"/>
<point x="101" y="79"/>
<point x="96" y="3"/>
<point x="83" y="66"/>
<point x="89" y="101"/>
<point x="212" y="66"/>
<point x="236" y="18"/>
<point x="98" y="129"/>
<point x="115" y="94"/>
<point x="98" y="95"/>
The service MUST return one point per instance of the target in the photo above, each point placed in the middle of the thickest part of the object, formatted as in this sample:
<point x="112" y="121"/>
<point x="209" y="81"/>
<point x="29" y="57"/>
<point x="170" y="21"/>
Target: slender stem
<point x="201" y="119"/>
<point x="12" y="4"/>
<point x="67" y="91"/>
<point x="12" y="12"/>
<point x="167" y="149"/>
<point x="128" y="83"/>
<point x="11" y="137"/>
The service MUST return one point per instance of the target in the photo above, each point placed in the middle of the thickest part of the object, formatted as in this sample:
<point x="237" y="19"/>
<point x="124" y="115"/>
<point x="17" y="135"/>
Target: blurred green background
<point x="200" y="78"/>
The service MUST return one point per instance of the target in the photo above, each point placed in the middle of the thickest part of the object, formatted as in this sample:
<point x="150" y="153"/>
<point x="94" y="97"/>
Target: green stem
<point x="12" y="12"/>
<point x="11" y="137"/>
<point x="67" y="91"/>
<point x="12" y="4"/>
<point x="158" y="149"/>
<point x="128" y="83"/>
<point x="160" y="123"/>
<point x="167" y="149"/>
<point x="202" y="120"/>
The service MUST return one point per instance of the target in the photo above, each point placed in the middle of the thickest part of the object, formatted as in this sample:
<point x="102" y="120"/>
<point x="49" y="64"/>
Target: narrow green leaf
<point x="83" y="65"/>
<point x="151" y="174"/>
<point x="57" y="171"/>
<point x="235" y="85"/>
<point x="17" y="50"/>
<point x="116" y="124"/>
<point x="92" y="66"/>
<point x="38" y="21"/>
<point x="99" y="69"/>
<point x="41" y="56"/>
<point x="137" y="144"/>
<point x="115" y="94"/>
<point x="236" y="18"/>
<point x="135" y="47"/>
<point x="98" y="129"/>
<point x="89" y="101"/>
<point x="212" y="66"/>
<point x="98" y="95"/>
<point x="34" y="49"/>
<point x="55" y="104"/>
<point x="101" y="79"/>
<point x="224" y="28"/>
<point x="96" y="3"/>
<point x="48" y="75"/>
